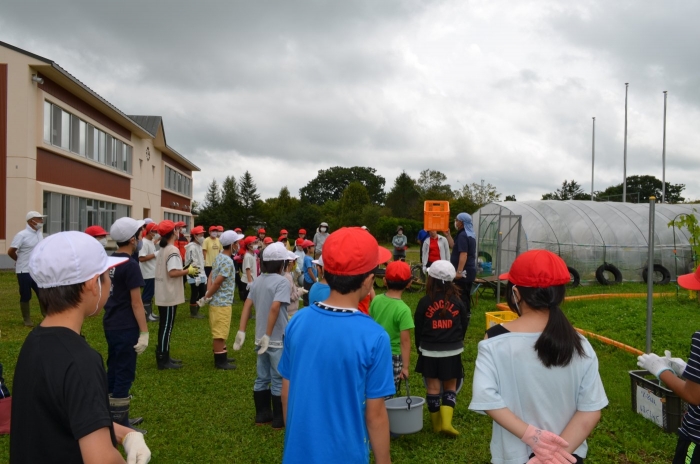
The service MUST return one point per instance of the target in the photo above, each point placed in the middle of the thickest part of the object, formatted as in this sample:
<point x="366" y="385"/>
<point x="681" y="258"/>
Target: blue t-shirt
<point x="464" y="244"/>
<point x="422" y="235"/>
<point x="319" y="292"/>
<point x="326" y="407"/>
<point x="308" y="263"/>
<point x="119" y="314"/>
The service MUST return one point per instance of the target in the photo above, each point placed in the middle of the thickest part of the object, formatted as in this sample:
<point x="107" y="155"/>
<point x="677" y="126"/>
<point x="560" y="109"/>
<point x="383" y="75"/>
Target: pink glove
<point x="548" y="447"/>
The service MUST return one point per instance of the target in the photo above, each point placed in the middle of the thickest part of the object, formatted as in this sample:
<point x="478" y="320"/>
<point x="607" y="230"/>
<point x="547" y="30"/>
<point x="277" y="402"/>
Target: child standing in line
<point x="147" y="263"/>
<point x="299" y="251"/>
<point x="320" y="291"/>
<point x="249" y="266"/>
<point x="309" y="269"/>
<point x="536" y="376"/>
<point x="195" y="257"/>
<point x="210" y="248"/>
<point x="389" y="311"/>
<point x="296" y="292"/>
<point x="441" y="322"/>
<point x="270" y="295"/>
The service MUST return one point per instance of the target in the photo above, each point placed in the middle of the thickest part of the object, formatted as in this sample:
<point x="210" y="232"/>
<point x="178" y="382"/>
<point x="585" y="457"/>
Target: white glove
<point x="425" y="270"/>
<point x="240" y="338"/>
<point x="653" y="363"/>
<point x="677" y="364"/>
<point x="302" y="290"/>
<point x="142" y="344"/>
<point x="247" y="287"/>
<point x="136" y="450"/>
<point x="264" y="344"/>
<point x="203" y="301"/>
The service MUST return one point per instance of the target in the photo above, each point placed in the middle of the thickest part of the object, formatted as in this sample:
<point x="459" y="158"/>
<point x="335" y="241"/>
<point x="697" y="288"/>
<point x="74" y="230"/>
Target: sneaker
<point x="152" y="318"/>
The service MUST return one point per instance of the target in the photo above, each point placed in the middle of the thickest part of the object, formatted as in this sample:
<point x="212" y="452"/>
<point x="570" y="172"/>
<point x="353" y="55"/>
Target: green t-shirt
<point x="394" y="315"/>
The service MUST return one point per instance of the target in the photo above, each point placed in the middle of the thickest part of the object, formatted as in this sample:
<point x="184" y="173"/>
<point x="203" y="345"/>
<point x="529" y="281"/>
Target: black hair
<point x="306" y="249"/>
<point x="439" y="289"/>
<point x="398" y="284"/>
<point x="227" y="247"/>
<point x="346" y="284"/>
<point x="136" y="236"/>
<point x="559" y="340"/>
<point x="271" y="267"/>
<point x="59" y="299"/>
<point x="164" y="238"/>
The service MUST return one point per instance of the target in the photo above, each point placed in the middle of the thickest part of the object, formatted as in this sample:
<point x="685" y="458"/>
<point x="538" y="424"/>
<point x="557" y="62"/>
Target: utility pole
<point x="592" y="158"/>
<point x="663" y="156"/>
<point x="624" y="168"/>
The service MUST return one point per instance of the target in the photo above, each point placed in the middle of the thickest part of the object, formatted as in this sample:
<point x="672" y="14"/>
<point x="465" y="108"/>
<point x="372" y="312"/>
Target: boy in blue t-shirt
<point x="309" y="269"/>
<point x="350" y="346"/>
<point x="320" y="291"/>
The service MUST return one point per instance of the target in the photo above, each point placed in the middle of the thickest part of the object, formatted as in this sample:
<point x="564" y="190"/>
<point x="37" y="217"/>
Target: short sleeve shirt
<point x="223" y="266"/>
<point x="319" y="292"/>
<point x="464" y="244"/>
<point x="267" y="289"/>
<point x="148" y="268"/>
<point x="690" y="424"/>
<point x="24" y="242"/>
<point x="212" y="247"/>
<point x="119" y="313"/>
<point x="308" y="264"/>
<point x="249" y="262"/>
<point x="394" y="315"/>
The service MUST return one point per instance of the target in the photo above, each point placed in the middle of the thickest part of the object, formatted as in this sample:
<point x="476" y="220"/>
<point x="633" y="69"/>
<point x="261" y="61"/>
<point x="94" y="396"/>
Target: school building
<point x="68" y="152"/>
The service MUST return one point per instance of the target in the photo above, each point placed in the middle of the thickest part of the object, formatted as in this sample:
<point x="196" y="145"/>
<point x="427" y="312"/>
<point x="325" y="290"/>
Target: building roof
<point x="150" y="123"/>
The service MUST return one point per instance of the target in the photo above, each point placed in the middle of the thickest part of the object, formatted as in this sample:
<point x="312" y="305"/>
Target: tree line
<point x="639" y="189"/>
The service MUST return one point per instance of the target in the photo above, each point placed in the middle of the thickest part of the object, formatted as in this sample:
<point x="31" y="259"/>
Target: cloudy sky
<point x="487" y="89"/>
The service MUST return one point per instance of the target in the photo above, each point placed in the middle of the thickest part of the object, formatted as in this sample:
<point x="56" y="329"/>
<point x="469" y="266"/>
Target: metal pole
<point x="650" y="271"/>
<point x="663" y="156"/>
<point x="592" y="158"/>
<point x="624" y="167"/>
<point x="498" y="266"/>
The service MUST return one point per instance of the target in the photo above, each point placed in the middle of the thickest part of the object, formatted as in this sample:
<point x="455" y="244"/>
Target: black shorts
<point x="440" y="368"/>
<point x="687" y="451"/>
<point x="579" y="459"/>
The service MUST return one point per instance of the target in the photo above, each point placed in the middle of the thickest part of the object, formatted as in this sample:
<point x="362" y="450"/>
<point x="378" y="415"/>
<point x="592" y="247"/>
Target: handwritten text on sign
<point x="650" y="406"/>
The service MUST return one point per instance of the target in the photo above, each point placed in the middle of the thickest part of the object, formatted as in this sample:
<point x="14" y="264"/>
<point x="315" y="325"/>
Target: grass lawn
<point x="203" y="415"/>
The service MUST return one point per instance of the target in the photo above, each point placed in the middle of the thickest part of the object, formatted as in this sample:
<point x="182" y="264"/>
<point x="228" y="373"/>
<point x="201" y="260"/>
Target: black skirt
<point x="440" y="368"/>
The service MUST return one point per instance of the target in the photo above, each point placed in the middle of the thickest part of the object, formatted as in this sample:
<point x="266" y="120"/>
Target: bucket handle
<point x="408" y="395"/>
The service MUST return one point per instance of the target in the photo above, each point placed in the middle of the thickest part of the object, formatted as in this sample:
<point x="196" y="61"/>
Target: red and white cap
<point x="690" y="281"/>
<point x="538" y="269"/>
<point x="69" y="258"/>
<point x="352" y="251"/>
<point x="96" y="231"/>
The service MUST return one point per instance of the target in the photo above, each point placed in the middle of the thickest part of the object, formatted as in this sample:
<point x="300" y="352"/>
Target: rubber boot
<point x="25" y="314"/>
<point x="437" y="421"/>
<point x="163" y="360"/>
<point x="220" y="362"/>
<point x="150" y="317"/>
<point x="227" y="358"/>
<point x="263" y="408"/>
<point x="446" y="413"/>
<point x="194" y="312"/>
<point x="277" y="416"/>
<point x="119" y="410"/>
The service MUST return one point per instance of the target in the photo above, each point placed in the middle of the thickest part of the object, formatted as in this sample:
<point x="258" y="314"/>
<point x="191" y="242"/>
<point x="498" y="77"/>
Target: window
<point x="177" y="218"/>
<point x="69" y="212"/>
<point x="69" y="132"/>
<point x="177" y="182"/>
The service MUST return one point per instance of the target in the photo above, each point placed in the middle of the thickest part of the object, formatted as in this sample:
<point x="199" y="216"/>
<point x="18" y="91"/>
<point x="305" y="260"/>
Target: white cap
<point x="443" y="270"/>
<point x="230" y="237"/>
<point x="124" y="228"/>
<point x="318" y="261"/>
<point x="147" y="221"/>
<point x="69" y="258"/>
<point x="34" y="214"/>
<point x="277" y="252"/>
<point x="324" y="224"/>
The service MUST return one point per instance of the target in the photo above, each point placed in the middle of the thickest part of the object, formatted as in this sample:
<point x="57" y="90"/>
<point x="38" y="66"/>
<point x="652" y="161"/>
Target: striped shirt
<point x="690" y="425"/>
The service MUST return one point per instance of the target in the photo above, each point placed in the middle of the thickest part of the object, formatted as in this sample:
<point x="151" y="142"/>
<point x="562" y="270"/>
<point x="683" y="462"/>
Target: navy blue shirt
<point x="464" y="244"/>
<point x="119" y="314"/>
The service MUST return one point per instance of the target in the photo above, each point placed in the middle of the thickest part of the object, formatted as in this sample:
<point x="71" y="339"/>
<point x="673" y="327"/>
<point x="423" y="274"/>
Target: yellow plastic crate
<point x="499" y="317"/>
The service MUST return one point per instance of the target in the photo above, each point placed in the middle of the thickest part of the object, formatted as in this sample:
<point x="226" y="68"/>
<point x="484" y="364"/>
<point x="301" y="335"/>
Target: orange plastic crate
<point x="436" y="215"/>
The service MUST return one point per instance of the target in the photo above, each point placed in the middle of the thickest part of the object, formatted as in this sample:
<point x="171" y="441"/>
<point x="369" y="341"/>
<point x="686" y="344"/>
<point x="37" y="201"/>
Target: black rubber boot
<point x="220" y="362"/>
<point x="263" y="407"/>
<point x="231" y="360"/>
<point x="277" y="416"/>
<point x="164" y="362"/>
<point x="119" y="410"/>
<point x="194" y="312"/>
<point x="24" y="306"/>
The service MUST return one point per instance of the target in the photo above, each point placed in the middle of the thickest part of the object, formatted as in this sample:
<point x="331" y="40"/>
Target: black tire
<point x="659" y="271"/>
<point x="419" y="278"/>
<point x="600" y="274"/>
<point x="575" y="277"/>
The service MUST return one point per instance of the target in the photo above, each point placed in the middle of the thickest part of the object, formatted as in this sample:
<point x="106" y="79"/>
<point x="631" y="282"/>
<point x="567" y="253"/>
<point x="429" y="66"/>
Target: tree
<point x="404" y="200"/>
<point x="646" y="186"/>
<point x="355" y="198"/>
<point x="212" y="199"/>
<point x="230" y="208"/>
<point x="568" y="191"/>
<point x="510" y="198"/>
<point x="479" y="194"/>
<point x="431" y="185"/>
<point x="329" y="184"/>
<point x="250" y="201"/>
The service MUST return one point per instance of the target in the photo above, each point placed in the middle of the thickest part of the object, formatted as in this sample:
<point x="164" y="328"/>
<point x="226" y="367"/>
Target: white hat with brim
<point x="442" y="270"/>
<point x="318" y="261"/>
<point x="277" y="252"/>
<point x="69" y="258"/>
<point x="34" y="214"/>
<point x="230" y="237"/>
<point x="124" y="228"/>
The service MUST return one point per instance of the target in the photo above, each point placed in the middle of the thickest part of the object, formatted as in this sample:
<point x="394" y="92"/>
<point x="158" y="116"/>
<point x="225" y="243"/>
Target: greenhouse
<point x="604" y="241"/>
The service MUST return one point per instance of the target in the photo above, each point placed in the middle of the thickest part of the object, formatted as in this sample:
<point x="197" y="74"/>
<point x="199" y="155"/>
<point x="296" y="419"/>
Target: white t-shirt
<point x="249" y="262"/>
<point x="24" y="242"/>
<point x="508" y="374"/>
<point x="148" y="268"/>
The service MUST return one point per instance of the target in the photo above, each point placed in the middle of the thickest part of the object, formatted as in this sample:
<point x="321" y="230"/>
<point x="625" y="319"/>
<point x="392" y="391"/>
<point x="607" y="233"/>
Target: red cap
<point x="197" y="230"/>
<point x="284" y="232"/>
<point x="220" y="228"/>
<point x="248" y="240"/>
<point x="352" y="251"/>
<point x="307" y="243"/>
<point x="261" y="231"/>
<point x="212" y="228"/>
<point x="165" y="227"/>
<point x="180" y="224"/>
<point x="237" y="229"/>
<point x="300" y="242"/>
<point x="398" y="271"/>
<point x="689" y="281"/>
<point x="149" y="227"/>
<point x="267" y="240"/>
<point x="96" y="231"/>
<point x="539" y="269"/>
<point x="302" y="231"/>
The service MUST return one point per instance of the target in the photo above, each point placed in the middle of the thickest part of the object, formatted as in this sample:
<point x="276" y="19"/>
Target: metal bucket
<point x="405" y="413"/>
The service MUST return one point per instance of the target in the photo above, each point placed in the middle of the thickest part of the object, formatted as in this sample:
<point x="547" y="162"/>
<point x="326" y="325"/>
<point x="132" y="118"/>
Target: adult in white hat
<point x="60" y="386"/>
<point x="20" y="249"/>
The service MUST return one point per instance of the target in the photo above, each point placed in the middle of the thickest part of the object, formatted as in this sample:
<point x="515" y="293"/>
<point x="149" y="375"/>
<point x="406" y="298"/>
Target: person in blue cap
<point x="463" y="257"/>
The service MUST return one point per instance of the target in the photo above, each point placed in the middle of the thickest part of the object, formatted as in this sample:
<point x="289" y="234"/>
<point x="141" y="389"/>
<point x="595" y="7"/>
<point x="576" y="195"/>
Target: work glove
<point x="203" y="301"/>
<point x="193" y="271"/>
<point x="676" y="364"/>
<point x="136" y="450"/>
<point x="425" y="270"/>
<point x="238" y="342"/>
<point x="142" y="344"/>
<point x="264" y="344"/>
<point x="653" y="363"/>
<point x="547" y="446"/>
<point x="302" y="290"/>
<point x="247" y="287"/>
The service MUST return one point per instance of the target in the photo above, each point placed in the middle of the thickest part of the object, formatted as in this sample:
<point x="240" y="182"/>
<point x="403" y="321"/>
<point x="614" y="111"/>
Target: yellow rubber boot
<point x="437" y="421"/>
<point x="446" y="416"/>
